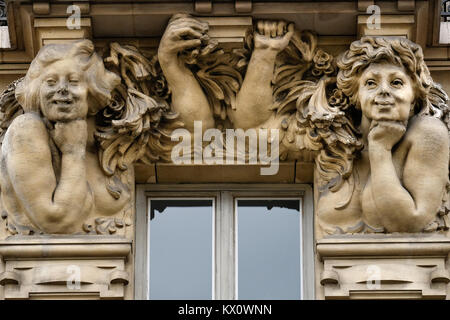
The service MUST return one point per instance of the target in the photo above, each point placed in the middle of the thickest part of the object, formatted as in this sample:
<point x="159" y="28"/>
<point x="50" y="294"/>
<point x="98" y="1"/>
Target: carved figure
<point x="399" y="179"/>
<point x="51" y="180"/>
<point x="374" y="122"/>
<point x="206" y="83"/>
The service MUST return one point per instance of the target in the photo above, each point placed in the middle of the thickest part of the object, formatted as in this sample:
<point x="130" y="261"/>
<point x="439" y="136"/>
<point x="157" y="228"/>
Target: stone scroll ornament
<point x="373" y="120"/>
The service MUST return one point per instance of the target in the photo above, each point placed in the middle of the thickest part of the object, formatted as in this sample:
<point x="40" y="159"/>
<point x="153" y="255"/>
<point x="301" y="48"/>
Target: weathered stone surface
<point x="293" y="95"/>
<point x="372" y="123"/>
<point x="51" y="178"/>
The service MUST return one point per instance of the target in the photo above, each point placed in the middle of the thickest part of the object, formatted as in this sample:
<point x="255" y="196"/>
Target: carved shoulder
<point x="26" y="133"/>
<point x="429" y="134"/>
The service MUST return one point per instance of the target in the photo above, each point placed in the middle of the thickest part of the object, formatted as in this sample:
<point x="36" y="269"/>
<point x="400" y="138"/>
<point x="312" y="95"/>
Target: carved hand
<point x="182" y="33"/>
<point x="386" y="133"/>
<point x="273" y="35"/>
<point x="70" y="137"/>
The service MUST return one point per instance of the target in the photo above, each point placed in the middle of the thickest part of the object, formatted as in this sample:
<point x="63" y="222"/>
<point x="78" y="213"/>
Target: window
<point x="444" y="34"/>
<point x="224" y="242"/>
<point x="4" y="32"/>
<point x="268" y="242"/>
<point x="180" y="233"/>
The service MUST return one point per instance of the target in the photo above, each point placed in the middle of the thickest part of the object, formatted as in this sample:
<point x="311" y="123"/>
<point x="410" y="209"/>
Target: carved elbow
<point x="53" y="220"/>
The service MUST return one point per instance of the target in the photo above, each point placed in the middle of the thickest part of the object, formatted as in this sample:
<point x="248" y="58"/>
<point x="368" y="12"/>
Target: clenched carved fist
<point x="386" y="133"/>
<point x="183" y="32"/>
<point x="273" y="35"/>
<point x="70" y="137"/>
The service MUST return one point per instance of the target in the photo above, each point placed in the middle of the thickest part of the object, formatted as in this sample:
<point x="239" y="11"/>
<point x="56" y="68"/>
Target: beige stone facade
<point x="357" y="98"/>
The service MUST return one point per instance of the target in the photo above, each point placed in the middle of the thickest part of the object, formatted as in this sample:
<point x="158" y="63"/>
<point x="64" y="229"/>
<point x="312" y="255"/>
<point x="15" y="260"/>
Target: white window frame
<point x="224" y="229"/>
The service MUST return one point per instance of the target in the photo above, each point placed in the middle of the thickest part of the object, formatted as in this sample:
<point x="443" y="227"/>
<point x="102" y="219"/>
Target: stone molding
<point x="42" y="267"/>
<point x="391" y="25"/>
<point x="54" y="30"/>
<point x="381" y="267"/>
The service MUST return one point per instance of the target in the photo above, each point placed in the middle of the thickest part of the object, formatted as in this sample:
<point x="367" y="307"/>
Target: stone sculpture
<point x="399" y="179"/>
<point x="373" y="121"/>
<point x="51" y="180"/>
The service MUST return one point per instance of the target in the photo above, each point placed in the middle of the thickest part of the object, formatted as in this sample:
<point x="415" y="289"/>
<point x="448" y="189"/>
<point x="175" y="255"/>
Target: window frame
<point x="224" y="230"/>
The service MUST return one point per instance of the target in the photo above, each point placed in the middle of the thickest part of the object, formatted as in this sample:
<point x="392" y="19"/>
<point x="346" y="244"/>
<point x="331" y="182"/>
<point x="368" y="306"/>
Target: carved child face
<point x="386" y="92"/>
<point x="63" y="93"/>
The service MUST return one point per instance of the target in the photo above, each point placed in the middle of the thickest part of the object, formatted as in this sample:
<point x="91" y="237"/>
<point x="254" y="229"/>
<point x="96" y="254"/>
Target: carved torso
<point x="361" y="212"/>
<point x="99" y="202"/>
<point x="66" y="171"/>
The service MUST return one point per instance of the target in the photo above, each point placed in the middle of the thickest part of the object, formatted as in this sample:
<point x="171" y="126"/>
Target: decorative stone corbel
<point x="390" y="25"/>
<point x="8" y="277"/>
<point x="406" y="5"/>
<point x="203" y="6"/>
<point x="243" y="6"/>
<point x="85" y="7"/>
<point x="440" y="276"/>
<point x="383" y="267"/>
<point x="41" y="7"/>
<point x="52" y="30"/>
<point x="119" y="276"/>
<point x="65" y="266"/>
<point x="228" y="31"/>
<point x="364" y="4"/>
<point x="329" y="277"/>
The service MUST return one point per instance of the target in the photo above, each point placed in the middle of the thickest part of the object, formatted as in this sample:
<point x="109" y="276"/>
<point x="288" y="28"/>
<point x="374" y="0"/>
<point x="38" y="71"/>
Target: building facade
<point x="241" y="149"/>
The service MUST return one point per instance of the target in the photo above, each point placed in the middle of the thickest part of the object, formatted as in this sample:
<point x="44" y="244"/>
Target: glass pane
<point x="4" y="32"/>
<point x="181" y="249"/>
<point x="269" y="249"/>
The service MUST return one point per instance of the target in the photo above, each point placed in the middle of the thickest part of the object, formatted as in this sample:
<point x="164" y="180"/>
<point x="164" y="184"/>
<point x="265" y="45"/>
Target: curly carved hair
<point x="335" y="161"/>
<point x="100" y="81"/>
<point x="430" y="98"/>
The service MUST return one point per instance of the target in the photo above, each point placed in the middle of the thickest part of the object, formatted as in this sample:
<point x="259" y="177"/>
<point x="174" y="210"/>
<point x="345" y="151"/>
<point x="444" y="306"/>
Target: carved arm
<point x="55" y="207"/>
<point x="410" y="206"/>
<point x="188" y="98"/>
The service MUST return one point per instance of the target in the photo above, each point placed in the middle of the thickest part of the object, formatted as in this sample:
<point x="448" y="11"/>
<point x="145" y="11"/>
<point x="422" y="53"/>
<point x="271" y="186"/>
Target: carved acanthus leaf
<point x="323" y="126"/>
<point x="9" y="107"/>
<point x="218" y="75"/>
<point x="137" y="124"/>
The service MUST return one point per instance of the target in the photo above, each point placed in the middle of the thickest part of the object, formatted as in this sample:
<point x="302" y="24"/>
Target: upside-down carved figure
<point x="373" y="120"/>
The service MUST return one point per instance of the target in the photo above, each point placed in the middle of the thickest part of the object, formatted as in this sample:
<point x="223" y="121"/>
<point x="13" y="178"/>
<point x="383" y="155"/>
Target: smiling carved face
<point x="386" y="92"/>
<point x="63" y="93"/>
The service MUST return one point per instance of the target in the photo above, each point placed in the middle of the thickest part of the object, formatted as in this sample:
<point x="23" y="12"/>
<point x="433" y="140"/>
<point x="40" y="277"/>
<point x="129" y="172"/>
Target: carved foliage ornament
<point x="373" y="120"/>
